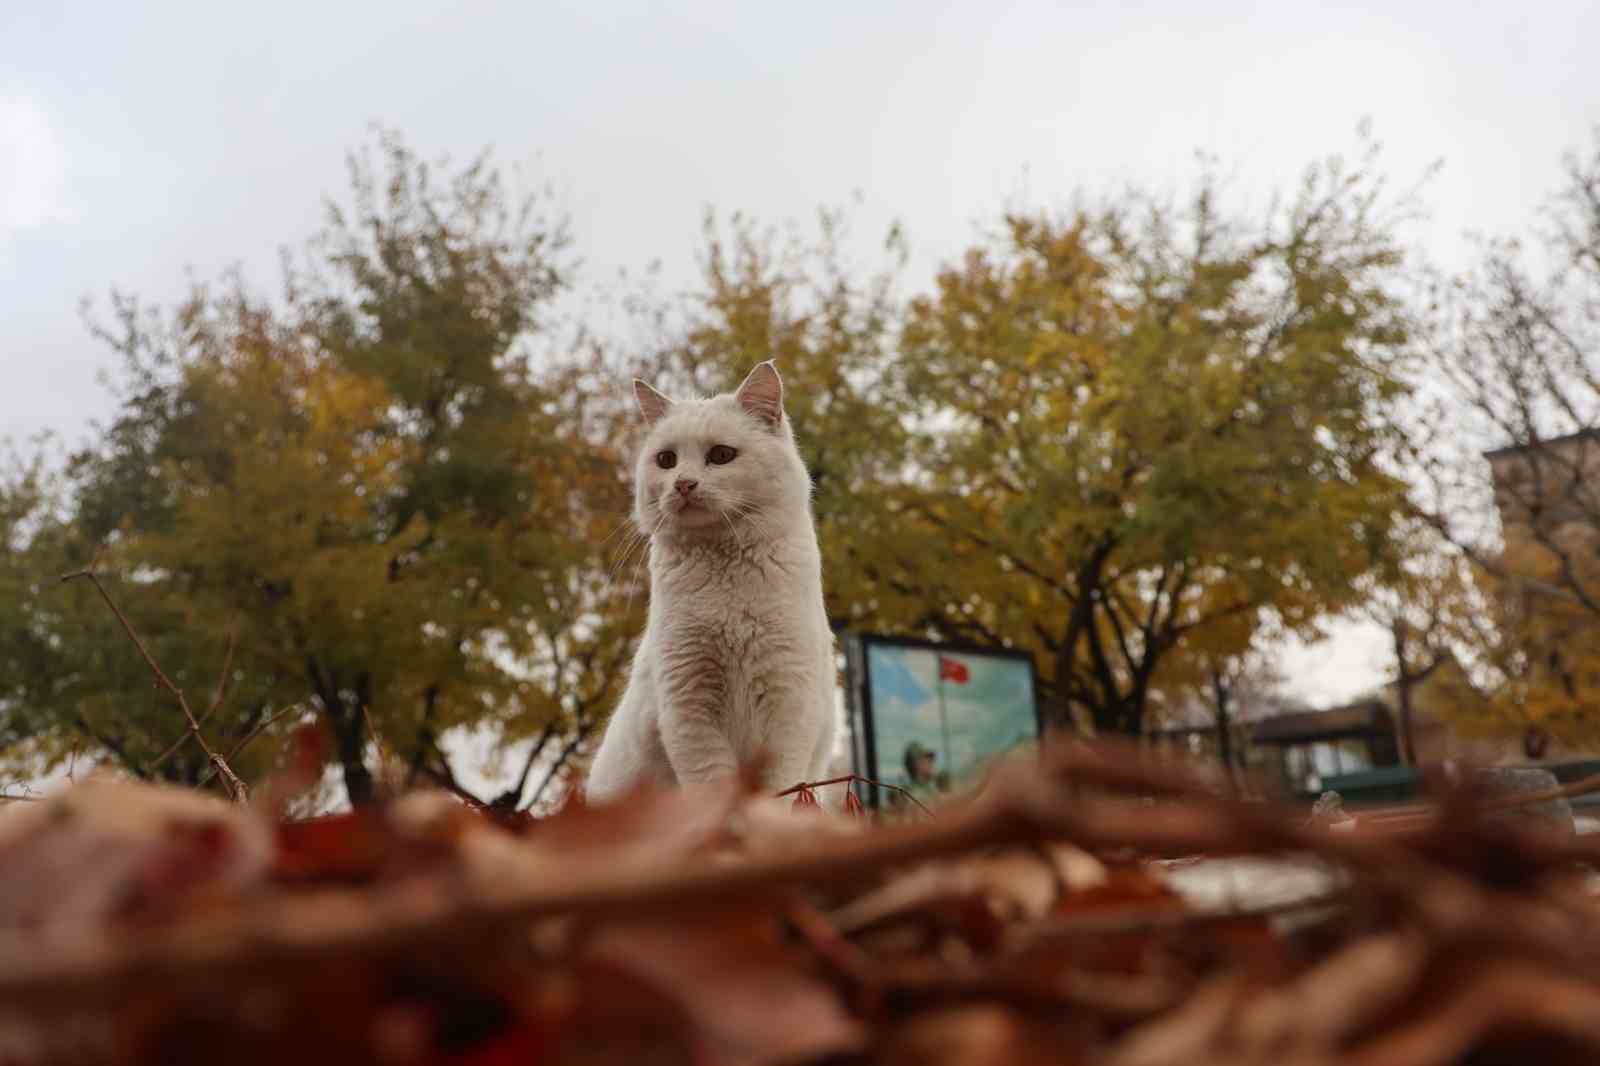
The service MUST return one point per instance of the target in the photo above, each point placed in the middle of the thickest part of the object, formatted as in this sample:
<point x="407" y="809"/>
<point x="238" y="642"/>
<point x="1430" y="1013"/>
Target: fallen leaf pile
<point x="1038" y="921"/>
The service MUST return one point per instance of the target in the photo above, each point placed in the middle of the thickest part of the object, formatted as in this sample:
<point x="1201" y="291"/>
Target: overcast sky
<point x="141" y="140"/>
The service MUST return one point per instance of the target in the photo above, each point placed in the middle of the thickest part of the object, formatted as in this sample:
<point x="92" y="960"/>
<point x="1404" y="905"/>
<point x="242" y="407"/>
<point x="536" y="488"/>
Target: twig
<point x="1152" y="919"/>
<point x="1581" y="787"/>
<point x="1408" y="816"/>
<point x="852" y="778"/>
<point x="235" y="786"/>
<point x="216" y="701"/>
<point x="170" y="750"/>
<point x="227" y="671"/>
<point x="567" y="751"/>
<point x="829" y="944"/>
<point x="377" y="740"/>
<point x="512" y="796"/>
<point x="261" y="727"/>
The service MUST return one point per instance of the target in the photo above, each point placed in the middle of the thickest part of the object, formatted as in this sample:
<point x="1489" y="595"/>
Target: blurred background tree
<point x="370" y="487"/>
<point x="1148" y="430"/>
<point x="1514" y="356"/>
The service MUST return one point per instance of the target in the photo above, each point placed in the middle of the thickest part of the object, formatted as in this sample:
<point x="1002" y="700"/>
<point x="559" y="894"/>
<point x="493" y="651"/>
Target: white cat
<point x="737" y="657"/>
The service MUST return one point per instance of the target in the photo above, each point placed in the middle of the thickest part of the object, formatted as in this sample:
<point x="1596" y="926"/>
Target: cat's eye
<point x="667" y="459"/>
<point x="721" y="453"/>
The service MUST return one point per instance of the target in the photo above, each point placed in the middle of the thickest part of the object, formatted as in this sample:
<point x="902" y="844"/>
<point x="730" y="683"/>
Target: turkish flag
<point x="953" y="670"/>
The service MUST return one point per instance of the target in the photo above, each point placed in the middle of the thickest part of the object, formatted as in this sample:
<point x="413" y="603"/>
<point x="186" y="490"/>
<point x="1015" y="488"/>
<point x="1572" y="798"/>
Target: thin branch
<point x="216" y="699"/>
<point x="792" y="789"/>
<point x="1149" y="919"/>
<point x="512" y="796"/>
<point x="425" y="734"/>
<point x="1110" y="600"/>
<point x="227" y="670"/>
<point x="261" y="727"/>
<point x="447" y="781"/>
<point x="1581" y="787"/>
<point x="561" y="760"/>
<point x="377" y="737"/>
<point x="235" y="786"/>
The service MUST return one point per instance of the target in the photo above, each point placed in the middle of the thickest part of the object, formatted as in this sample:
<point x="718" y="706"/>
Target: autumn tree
<point x="1143" y="423"/>
<point x="371" y="487"/>
<point x="1114" y="438"/>
<point x="1515" y="354"/>
<point x="1436" y="616"/>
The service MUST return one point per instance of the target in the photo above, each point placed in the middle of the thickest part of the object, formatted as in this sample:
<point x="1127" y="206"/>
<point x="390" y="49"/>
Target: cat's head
<point x="719" y="466"/>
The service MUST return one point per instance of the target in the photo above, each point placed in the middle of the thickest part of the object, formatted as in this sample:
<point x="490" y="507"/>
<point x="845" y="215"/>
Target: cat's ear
<point x="762" y="393"/>
<point x="652" y="405"/>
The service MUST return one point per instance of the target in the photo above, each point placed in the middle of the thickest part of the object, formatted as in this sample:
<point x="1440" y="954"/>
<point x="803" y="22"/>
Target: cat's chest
<point x="732" y="614"/>
<point x="730" y="639"/>
<point x="709" y="589"/>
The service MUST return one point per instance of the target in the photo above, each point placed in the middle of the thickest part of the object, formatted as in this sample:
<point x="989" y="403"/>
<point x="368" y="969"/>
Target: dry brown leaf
<point x="118" y="851"/>
<point x="980" y="1033"/>
<point x="755" y="998"/>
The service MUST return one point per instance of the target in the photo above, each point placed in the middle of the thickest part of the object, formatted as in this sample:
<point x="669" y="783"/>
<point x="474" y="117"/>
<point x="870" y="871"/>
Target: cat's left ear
<point x="762" y="394"/>
<point x="652" y="405"/>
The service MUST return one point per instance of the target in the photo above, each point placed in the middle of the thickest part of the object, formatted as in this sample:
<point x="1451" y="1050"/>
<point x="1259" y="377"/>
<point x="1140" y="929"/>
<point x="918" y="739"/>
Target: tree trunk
<point x="427" y="737"/>
<point x="1062" y="704"/>
<point x="349" y="735"/>
<point x="561" y="760"/>
<point x="350" y="743"/>
<point x="1404" y="682"/>
<point x="1408" y="740"/>
<point x="1219" y="690"/>
<point x="1080" y="625"/>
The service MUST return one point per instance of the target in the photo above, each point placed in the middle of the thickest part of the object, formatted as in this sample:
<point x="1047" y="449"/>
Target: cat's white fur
<point x="737" y="659"/>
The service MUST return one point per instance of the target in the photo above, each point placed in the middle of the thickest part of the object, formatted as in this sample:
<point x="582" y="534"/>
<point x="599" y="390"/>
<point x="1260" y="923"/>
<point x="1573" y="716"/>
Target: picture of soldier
<point x="924" y="779"/>
<point x="930" y="717"/>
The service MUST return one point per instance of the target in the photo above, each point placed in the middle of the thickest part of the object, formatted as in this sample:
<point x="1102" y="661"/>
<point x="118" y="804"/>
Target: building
<point x="1545" y="487"/>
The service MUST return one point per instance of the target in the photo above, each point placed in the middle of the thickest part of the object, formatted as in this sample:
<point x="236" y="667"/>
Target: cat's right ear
<point x="652" y="405"/>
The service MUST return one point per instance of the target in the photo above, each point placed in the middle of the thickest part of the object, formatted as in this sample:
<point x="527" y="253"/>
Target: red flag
<point x="953" y="670"/>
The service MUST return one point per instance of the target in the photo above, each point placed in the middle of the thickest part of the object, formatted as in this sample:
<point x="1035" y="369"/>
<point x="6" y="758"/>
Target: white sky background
<point x="141" y="141"/>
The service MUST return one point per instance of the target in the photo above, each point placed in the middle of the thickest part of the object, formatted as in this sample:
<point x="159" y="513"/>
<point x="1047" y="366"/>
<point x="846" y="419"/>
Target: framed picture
<point x="927" y="717"/>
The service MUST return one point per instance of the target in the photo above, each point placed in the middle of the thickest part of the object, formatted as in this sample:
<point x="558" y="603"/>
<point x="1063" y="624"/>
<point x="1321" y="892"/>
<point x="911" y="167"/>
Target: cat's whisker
<point x="754" y="517"/>
<point x="623" y="557"/>
<point x="638" y="539"/>
<point x="633" y="582"/>
<point x="732" y="531"/>
<point x="626" y="523"/>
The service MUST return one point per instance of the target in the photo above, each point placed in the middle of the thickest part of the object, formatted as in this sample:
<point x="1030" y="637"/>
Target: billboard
<point x="928" y="717"/>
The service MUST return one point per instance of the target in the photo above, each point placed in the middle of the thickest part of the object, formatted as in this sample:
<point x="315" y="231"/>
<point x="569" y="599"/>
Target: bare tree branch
<point x="235" y="786"/>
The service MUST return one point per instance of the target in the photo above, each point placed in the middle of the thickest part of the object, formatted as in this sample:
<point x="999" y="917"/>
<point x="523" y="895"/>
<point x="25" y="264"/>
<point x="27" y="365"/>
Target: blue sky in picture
<point x="964" y="722"/>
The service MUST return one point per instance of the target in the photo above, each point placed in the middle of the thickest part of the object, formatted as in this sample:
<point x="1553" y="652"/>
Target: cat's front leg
<point x="694" y="729"/>
<point x="794" y="726"/>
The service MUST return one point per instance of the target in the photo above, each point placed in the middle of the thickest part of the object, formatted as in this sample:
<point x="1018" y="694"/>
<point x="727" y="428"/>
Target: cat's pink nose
<point x="685" y="485"/>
